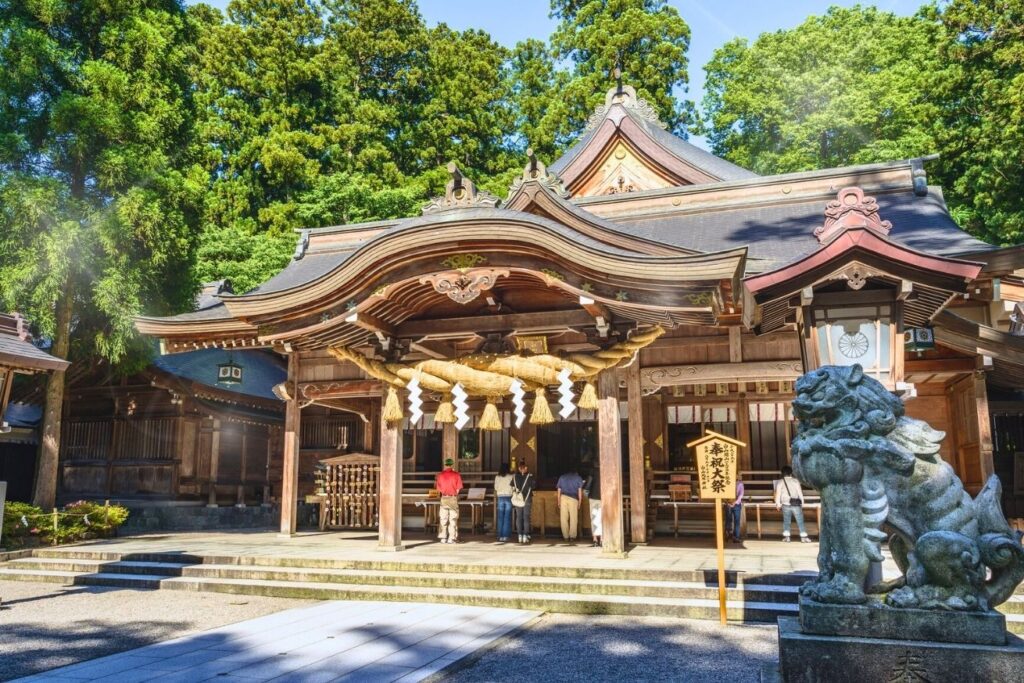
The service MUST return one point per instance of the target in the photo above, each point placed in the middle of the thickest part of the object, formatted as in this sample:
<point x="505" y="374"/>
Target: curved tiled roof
<point x="262" y="370"/>
<point x="776" y="234"/>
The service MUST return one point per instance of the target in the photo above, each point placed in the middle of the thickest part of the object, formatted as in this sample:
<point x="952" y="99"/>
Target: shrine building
<point x="620" y="301"/>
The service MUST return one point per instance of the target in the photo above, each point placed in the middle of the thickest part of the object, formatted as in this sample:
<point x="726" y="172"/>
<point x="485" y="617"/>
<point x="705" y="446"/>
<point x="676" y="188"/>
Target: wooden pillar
<point x="211" y="501"/>
<point x="240" y="499"/>
<point x="609" y="446"/>
<point x="743" y="431"/>
<point x="389" y="535"/>
<point x="654" y="432"/>
<point x="370" y="427"/>
<point x="984" y="428"/>
<point x="290" y="449"/>
<point x="266" y="467"/>
<point x="637" y="471"/>
<point x="449" y="443"/>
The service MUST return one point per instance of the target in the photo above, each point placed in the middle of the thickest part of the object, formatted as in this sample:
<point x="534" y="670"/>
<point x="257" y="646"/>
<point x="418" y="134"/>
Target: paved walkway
<point x="332" y="641"/>
<point x="694" y="553"/>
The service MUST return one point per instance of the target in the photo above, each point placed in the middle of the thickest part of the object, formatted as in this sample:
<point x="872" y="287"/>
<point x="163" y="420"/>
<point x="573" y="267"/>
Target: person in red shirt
<point x="448" y="483"/>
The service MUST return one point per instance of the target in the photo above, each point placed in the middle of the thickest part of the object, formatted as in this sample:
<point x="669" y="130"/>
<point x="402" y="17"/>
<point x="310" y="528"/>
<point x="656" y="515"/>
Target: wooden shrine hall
<point x="616" y="303"/>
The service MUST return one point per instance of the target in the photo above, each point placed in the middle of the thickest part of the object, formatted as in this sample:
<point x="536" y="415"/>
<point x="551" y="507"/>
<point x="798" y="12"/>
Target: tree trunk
<point x="49" y="449"/>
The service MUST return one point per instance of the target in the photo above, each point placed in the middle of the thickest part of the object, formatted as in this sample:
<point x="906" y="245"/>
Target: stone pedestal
<point x="875" y="620"/>
<point x="874" y="643"/>
<point x="816" y="658"/>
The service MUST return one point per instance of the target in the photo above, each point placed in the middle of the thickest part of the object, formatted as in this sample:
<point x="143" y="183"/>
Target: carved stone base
<point x="878" y="621"/>
<point x="814" y="658"/>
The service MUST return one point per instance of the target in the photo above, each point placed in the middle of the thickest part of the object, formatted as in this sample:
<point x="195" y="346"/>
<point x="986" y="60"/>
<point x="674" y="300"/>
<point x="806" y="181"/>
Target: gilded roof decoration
<point x="536" y="172"/>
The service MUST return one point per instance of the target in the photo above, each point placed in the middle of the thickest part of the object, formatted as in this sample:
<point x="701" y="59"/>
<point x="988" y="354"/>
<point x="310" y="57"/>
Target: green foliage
<point x="647" y="38"/>
<point x="75" y="522"/>
<point x="15" y="532"/>
<point x="982" y="132"/>
<point x="96" y="190"/>
<point x="845" y="88"/>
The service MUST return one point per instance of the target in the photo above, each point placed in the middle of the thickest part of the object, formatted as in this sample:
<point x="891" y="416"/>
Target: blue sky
<point x="712" y="22"/>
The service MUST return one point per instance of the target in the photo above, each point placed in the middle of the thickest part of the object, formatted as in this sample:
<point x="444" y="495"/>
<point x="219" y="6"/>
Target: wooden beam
<point x="712" y="373"/>
<point x="354" y="388"/>
<point x="510" y="322"/>
<point x="940" y="365"/>
<point x="435" y="349"/>
<point x="389" y="535"/>
<point x="609" y="446"/>
<point x="371" y="323"/>
<point x="601" y="315"/>
<point x="637" y="470"/>
<point x="290" y="459"/>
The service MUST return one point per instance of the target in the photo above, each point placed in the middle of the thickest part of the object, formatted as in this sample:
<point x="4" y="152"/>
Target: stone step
<point x="642" y="589"/>
<point x="695" y="608"/>
<point x="446" y="568"/>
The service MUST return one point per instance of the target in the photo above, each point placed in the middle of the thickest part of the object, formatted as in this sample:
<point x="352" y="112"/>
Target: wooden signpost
<point x="717" y="456"/>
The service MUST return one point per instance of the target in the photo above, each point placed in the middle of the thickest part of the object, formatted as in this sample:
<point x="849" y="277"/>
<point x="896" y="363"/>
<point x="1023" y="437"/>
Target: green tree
<point x="848" y="87"/>
<point x="647" y="38"/>
<point x="465" y="117"/>
<point x="540" y="115"/>
<point x="982" y="136"/>
<point x="95" y="193"/>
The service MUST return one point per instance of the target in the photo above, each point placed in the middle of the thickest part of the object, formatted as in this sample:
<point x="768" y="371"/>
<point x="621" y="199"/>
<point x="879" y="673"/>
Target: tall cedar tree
<point x="94" y="223"/>
<point x="848" y="87"/>
<point x="647" y="38"/>
<point x="982" y="137"/>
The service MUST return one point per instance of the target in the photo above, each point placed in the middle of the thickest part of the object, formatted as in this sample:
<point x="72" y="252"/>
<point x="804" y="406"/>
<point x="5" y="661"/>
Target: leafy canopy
<point x="848" y="87"/>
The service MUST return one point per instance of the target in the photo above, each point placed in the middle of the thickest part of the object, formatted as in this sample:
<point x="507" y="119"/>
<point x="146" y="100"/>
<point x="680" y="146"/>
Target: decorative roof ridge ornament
<point x="851" y="210"/>
<point x="460" y="193"/>
<point x="626" y="96"/>
<point x="536" y="172"/>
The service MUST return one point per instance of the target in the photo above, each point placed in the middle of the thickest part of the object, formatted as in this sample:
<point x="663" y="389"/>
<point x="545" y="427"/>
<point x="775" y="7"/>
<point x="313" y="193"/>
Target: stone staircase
<point x="637" y="592"/>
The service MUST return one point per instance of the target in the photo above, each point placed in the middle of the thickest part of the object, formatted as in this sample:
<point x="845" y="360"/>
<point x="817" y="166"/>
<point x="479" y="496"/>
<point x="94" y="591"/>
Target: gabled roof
<point x="627" y="118"/>
<point x="19" y="353"/>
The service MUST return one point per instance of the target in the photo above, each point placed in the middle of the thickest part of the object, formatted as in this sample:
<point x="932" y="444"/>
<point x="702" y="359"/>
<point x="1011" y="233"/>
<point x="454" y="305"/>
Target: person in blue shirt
<point x="570" y="496"/>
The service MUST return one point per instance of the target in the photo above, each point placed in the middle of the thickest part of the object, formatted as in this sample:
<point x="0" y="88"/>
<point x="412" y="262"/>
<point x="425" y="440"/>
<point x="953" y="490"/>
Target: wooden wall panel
<point x="931" y="405"/>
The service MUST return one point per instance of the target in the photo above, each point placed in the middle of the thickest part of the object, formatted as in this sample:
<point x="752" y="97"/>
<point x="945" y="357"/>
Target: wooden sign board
<point x="717" y="457"/>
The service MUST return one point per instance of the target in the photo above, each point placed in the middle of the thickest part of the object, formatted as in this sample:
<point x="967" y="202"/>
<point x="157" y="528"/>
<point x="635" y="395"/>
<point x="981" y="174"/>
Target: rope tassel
<point x="445" y="412"/>
<point x="588" y="397"/>
<point x="392" y="408"/>
<point x="541" y="410"/>
<point x="490" y="420"/>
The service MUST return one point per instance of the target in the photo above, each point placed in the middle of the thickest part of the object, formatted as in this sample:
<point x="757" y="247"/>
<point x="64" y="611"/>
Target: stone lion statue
<point x="880" y="476"/>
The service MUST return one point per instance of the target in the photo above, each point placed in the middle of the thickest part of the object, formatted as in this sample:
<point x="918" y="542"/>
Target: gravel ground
<point x="43" y="625"/>
<point x="569" y="647"/>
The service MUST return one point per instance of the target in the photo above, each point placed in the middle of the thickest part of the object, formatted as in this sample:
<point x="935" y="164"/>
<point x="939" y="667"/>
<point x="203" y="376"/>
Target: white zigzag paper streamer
<point x="518" y="401"/>
<point x="415" y="401"/>
<point x="565" y="394"/>
<point x="459" y="397"/>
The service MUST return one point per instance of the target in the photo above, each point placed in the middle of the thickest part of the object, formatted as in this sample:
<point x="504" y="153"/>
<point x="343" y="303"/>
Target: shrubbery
<point x="75" y="521"/>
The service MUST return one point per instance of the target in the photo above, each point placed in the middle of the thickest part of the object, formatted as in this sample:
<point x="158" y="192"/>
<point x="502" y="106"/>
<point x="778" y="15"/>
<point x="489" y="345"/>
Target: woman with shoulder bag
<point x="789" y="498"/>
<point x="522" y="500"/>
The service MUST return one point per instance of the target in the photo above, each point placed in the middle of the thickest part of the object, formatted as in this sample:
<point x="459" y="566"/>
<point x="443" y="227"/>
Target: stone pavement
<point x="331" y="641"/>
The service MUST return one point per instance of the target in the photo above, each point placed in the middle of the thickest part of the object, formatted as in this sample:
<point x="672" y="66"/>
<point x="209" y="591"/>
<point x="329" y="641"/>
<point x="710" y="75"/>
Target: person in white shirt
<point x="789" y="498"/>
